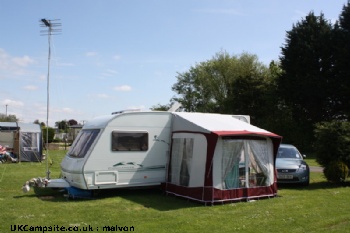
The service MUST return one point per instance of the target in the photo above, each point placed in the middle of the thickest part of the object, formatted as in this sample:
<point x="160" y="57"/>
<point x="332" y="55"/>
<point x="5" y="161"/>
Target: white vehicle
<point x="119" y="150"/>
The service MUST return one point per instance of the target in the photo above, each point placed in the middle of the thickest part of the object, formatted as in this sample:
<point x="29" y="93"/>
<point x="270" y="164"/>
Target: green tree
<point x="341" y="50"/>
<point x="42" y="124"/>
<point x="307" y="64"/>
<point x="72" y="122"/>
<point x="161" y="107"/>
<point x="62" y="125"/>
<point x="8" y="118"/>
<point x="306" y="83"/>
<point x="225" y="84"/>
<point x="255" y="93"/>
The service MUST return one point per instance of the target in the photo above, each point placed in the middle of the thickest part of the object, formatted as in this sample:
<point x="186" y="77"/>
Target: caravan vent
<point x="245" y="118"/>
<point x="176" y="107"/>
<point x="126" y="110"/>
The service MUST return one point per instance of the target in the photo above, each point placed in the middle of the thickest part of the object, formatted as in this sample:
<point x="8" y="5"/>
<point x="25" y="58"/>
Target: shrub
<point x="336" y="172"/>
<point x="51" y="134"/>
<point x="332" y="142"/>
<point x="56" y="140"/>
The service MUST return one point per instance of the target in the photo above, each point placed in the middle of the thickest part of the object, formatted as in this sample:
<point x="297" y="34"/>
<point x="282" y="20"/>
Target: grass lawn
<point x="311" y="160"/>
<point x="321" y="207"/>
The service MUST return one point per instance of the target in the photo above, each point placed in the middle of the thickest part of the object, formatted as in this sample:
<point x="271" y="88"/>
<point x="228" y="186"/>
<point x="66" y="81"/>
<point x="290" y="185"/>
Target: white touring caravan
<point x="120" y="150"/>
<point x="133" y="148"/>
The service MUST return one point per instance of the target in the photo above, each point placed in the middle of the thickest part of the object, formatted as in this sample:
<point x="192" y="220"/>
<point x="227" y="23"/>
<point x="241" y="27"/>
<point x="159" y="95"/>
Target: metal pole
<point x="48" y="24"/>
<point x="48" y="104"/>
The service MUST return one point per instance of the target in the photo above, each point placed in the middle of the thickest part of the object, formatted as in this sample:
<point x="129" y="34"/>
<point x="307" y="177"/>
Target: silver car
<point x="291" y="168"/>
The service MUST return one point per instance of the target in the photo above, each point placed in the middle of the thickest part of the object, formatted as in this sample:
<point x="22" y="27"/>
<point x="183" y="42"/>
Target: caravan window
<point x="30" y="142"/>
<point x="129" y="141"/>
<point x="181" y="161"/>
<point x="83" y="143"/>
<point x="247" y="162"/>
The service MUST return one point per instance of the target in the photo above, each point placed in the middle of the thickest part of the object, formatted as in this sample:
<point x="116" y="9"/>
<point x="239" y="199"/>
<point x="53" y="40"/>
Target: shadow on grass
<point x="48" y="194"/>
<point x="314" y="185"/>
<point x="25" y="196"/>
<point x="153" y="197"/>
<point x="44" y="194"/>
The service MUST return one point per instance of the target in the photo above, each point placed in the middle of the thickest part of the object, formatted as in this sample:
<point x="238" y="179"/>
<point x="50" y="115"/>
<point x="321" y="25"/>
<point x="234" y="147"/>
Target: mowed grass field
<point x="321" y="207"/>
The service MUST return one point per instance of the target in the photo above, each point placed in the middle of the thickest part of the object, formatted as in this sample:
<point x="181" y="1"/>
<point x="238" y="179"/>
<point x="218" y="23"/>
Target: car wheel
<point x="306" y="183"/>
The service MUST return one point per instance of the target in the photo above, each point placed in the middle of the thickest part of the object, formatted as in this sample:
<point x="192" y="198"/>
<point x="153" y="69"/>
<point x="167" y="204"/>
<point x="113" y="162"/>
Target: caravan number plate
<point x="285" y="176"/>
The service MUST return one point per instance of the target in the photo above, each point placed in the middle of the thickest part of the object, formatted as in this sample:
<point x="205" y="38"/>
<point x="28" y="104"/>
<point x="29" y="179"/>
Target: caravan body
<point x="126" y="149"/>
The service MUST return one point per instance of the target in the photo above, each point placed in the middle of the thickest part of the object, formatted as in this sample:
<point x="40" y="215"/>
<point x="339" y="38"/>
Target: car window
<point x="288" y="153"/>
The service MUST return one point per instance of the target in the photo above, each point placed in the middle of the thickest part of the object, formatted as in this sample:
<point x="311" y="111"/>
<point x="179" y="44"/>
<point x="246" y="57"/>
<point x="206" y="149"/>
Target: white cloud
<point x="112" y="71"/>
<point x="141" y="107"/>
<point x="102" y="96"/>
<point x="220" y="11"/>
<point x="12" y="103"/>
<point x="109" y="73"/>
<point x="31" y="88"/>
<point x="122" y="88"/>
<point x="65" y="64"/>
<point x="60" y="110"/>
<point x="91" y="54"/>
<point x="117" y="57"/>
<point x="22" y="61"/>
<point x="13" y="66"/>
<point x="67" y="110"/>
<point x="43" y="77"/>
<point x="4" y="63"/>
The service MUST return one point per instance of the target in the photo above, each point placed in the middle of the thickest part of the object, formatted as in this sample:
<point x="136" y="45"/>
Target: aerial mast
<point x="51" y="28"/>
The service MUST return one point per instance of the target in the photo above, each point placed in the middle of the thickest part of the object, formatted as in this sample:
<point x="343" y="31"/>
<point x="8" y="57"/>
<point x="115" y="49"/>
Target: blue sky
<point x="122" y="54"/>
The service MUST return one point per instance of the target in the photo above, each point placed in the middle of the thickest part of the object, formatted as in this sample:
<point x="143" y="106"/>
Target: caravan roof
<point x="217" y="123"/>
<point x="99" y="122"/>
<point x="102" y="121"/>
<point x="189" y="121"/>
<point x="25" y="127"/>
